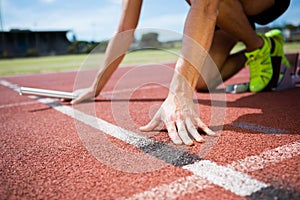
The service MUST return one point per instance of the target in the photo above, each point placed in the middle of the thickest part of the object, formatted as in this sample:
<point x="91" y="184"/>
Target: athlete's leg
<point x="233" y="20"/>
<point x="228" y="65"/>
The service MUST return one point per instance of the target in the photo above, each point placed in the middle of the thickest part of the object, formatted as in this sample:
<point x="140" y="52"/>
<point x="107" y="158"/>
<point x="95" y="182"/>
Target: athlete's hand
<point x="178" y="113"/>
<point x="83" y="94"/>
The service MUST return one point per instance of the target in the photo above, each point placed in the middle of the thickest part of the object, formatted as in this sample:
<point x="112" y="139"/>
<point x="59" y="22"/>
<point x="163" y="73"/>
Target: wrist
<point x="187" y="73"/>
<point x="180" y="86"/>
<point x="185" y="78"/>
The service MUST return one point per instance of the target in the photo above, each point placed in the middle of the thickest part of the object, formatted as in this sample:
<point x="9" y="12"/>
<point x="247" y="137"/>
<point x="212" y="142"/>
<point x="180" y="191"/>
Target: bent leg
<point x="228" y="65"/>
<point x="233" y="20"/>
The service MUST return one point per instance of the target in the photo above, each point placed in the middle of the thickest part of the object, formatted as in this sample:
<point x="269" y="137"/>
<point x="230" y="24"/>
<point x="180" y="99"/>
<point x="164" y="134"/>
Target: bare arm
<point x="197" y="39"/>
<point x="178" y="111"/>
<point x="116" y="49"/>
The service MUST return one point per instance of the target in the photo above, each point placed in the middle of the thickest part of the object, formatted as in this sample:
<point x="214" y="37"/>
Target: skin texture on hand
<point x="179" y="114"/>
<point x="178" y="111"/>
<point x="181" y="120"/>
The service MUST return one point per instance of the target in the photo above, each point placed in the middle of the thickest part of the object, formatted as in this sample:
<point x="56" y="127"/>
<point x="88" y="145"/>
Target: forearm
<point x="197" y="39"/>
<point x="120" y="43"/>
<point x="114" y="55"/>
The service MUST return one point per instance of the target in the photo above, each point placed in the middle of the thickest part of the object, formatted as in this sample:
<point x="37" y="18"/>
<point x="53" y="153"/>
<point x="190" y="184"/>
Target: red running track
<point x="47" y="154"/>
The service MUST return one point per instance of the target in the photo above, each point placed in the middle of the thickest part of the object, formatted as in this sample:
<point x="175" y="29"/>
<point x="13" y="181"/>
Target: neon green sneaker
<point x="277" y="42"/>
<point x="260" y="64"/>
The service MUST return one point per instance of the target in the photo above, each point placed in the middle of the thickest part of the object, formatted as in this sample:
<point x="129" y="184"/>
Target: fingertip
<point x="146" y="128"/>
<point x="210" y="132"/>
<point x="177" y="141"/>
<point x="142" y="128"/>
<point x="200" y="139"/>
<point x="174" y="136"/>
<point x="73" y="102"/>
<point x="189" y="142"/>
<point x="76" y="101"/>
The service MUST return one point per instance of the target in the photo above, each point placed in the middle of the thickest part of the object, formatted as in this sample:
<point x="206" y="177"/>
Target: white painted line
<point x="174" y="190"/>
<point x="110" y="129"/>
<point x="18" y="104"/>
<point x="97" y="123"/>
<point x="266" y="158"/>
<point x="248" y="164"/>
<point x="9" y="85"/>
<point x="234" y="181"/>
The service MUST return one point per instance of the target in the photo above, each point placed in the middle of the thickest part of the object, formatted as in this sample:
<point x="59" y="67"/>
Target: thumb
<point x="152" y="124"/>
<point x="77" y="100"/>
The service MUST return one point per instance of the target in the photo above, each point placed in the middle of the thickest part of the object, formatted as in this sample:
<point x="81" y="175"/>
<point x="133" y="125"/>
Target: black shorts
<point x="269" y="15"/>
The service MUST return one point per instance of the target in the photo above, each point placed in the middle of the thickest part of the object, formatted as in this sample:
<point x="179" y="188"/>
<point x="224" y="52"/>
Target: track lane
<point x="223" y="143"/>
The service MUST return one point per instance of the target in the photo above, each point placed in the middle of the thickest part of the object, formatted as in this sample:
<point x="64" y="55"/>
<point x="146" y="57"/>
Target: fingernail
<point x="177" y="142"/>
<point x="143" y="128"/>
<point x="209" y="132"/>
<point x="200" y="139"/>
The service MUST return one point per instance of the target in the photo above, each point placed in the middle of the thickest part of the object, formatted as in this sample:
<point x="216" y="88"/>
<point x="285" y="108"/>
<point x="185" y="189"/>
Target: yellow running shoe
<point x="260" y="64"/>
<point x="277" y="43"/>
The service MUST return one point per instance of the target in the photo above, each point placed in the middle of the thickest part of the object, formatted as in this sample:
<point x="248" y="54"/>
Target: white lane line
<point x="99" y="124"/>
<point x="266" y="158"/>
<point x="15" y="88"/>
<point x="234" y="181"/>
<point x="9" y="85"/>
<point x="110" y="129"/>
<point x="245" y="165"/>
<point x="237" y="182"/>
<point x="259" y="128"/>
<point x="18" y="104"/>
<point x="174" y="190"/>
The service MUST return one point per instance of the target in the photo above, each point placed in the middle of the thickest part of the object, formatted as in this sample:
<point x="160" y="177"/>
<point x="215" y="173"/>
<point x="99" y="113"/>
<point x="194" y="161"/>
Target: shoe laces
<point x="256" y="63"/>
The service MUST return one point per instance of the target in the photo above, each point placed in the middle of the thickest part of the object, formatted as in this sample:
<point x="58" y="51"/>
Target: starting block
<point x="284" y="77"/>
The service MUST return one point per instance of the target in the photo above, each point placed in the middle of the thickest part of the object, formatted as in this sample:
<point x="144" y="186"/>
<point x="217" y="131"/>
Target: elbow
<point x="126" y="32"/>
<point x="210" y="8"/>
<point x="125" y="27"/>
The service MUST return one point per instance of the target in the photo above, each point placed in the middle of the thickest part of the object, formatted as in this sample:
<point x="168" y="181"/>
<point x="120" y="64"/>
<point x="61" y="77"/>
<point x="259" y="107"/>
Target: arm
<point x="116" y="49"/>
<point x="178" y="111"/>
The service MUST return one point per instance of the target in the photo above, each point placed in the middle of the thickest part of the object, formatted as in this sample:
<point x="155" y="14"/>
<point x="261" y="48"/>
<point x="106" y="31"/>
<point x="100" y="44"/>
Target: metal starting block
<point x="283" y="78"/>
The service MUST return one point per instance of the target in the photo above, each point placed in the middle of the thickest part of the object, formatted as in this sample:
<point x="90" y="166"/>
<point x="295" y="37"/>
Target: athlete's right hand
<point x="83" y="94"/>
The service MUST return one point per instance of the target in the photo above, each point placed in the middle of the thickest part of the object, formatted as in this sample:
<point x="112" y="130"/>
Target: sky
<point x="96" y="20"/>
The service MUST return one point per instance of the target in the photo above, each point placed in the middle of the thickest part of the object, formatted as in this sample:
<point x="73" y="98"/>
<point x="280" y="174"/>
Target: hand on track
<point x="178" y="113"/>
<point x="83" y="94"/>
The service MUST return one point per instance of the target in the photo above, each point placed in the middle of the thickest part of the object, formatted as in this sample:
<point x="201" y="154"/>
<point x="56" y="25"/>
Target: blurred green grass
<point x="16" y="66"/>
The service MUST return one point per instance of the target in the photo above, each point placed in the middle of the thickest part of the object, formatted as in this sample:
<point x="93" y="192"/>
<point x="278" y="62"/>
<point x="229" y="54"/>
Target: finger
<point x="183" y="133"/>
<point x="152" y="124"/>
<point x="77" y="100"/>
<point x="173" y="134"/>
<point x="192" y="130"/>
<point x="81" y="98"/>
<point x="203" y="126"/>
